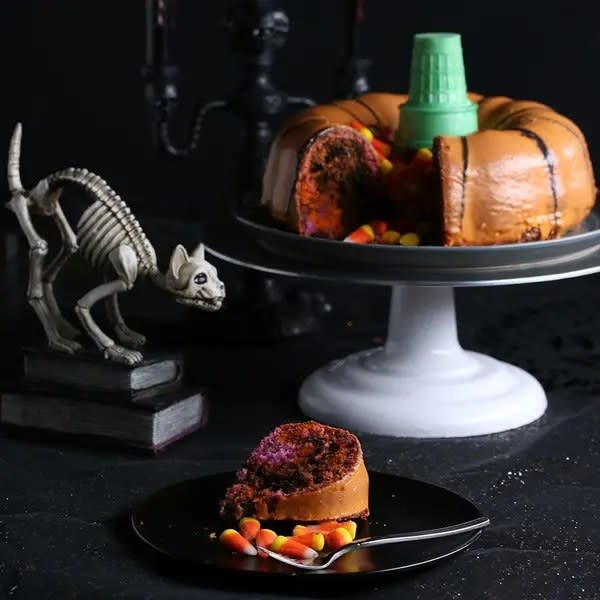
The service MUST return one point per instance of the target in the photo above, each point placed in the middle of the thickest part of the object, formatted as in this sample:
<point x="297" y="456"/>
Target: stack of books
<point x="146" y="406"/>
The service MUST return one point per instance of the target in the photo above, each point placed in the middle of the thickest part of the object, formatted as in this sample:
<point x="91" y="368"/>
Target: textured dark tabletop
<point x="63" y="508"/>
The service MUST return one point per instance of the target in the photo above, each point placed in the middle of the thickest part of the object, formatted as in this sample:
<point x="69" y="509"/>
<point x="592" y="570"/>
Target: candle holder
<point x="351" y="76"/>
<point x="256" y="29"/>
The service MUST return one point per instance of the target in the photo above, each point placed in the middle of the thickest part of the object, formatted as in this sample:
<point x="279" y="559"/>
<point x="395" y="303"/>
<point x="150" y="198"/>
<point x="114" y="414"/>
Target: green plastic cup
<point x="437" y="99"/>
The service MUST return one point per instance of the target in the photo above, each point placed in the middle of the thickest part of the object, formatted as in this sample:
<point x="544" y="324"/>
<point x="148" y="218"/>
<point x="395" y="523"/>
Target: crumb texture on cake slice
<point x="336" y="174"/>
<point x="301" y="471"/>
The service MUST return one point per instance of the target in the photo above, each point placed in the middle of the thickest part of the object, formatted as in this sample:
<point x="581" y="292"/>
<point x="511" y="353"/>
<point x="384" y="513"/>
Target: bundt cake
<point x="525" y="174"/>
<point x="301" y="472"/>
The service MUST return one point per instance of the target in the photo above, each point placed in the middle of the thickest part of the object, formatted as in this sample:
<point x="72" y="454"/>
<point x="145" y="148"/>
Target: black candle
<point x="157" y="39"/>
<point x="353" y="17"/>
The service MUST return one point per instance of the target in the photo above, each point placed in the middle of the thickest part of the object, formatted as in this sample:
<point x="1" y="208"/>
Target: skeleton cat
<point x="112" y="241"/>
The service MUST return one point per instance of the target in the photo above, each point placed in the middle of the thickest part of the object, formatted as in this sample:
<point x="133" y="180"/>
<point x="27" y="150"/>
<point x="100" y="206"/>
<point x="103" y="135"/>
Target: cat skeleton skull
<point x="194" y="281"/>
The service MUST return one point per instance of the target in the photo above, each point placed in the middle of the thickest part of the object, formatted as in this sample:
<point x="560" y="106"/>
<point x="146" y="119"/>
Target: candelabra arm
<point x="299" y="101"/>
<point x="164" y="137"/>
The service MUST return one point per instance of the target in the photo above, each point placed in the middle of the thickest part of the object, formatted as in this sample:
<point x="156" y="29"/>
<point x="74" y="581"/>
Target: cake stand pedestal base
<point x="422" y="383"/>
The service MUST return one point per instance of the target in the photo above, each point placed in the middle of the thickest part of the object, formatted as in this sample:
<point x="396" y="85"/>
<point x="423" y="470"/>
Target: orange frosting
<point x="525" y="175"/>
<point x="343" y="499"/>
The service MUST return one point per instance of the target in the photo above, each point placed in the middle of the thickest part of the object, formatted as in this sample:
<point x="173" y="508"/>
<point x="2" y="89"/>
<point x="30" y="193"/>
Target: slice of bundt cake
<point x="301" y="472"/>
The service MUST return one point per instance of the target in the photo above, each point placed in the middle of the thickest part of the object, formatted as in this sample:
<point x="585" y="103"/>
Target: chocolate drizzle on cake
<point x="548" y="157"/>
<point x="465" y="153"/>
<point x="369" y="108"/>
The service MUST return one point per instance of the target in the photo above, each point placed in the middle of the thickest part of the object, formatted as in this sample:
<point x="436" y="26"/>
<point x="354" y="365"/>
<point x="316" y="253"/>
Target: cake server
<point x="322" y="562"/>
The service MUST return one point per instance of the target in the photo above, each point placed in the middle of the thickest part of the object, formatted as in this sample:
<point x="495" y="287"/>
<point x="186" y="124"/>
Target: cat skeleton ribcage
<point x="111" y="240"/>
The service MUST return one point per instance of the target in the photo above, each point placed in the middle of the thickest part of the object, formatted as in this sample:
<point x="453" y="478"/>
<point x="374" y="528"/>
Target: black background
<point x="71" y="74"/>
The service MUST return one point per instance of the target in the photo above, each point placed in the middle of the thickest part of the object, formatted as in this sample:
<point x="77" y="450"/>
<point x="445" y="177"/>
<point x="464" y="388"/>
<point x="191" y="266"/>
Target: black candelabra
<point x="256" y="29"/>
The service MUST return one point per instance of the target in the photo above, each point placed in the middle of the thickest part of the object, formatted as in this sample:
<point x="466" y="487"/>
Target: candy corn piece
<point x="409" y="239"/>
<point x="351" y="527"/>
<point x="379" y="227"/>
<point x="265" y="538"/>
<point x="364" y="131"/>
<point x="338" y="537"/>
<point x="290" y="547"/>
<point x="323" y="527"/>
<point x="424" y="156"/>
<point x="300" y="530"/>
<point x="233" y="540"/>
<point x="249" y="527"/>
<point x="367" y="134"/>
<point x="312" y="539"/>
<point x="390" y="237"/>
<point x="326" y="526"/>
<point x="363" y="235"/>
<point x="386" y="166"/>
<point x="384" y="149"/>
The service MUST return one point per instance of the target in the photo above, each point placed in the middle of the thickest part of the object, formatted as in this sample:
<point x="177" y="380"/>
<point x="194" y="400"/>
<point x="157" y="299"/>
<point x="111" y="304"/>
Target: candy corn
<point x="379" y="227"/>
<point x="364" y="131"/>
<point x="390" y="237"/>
<point x="300" y="530"/>
<point x="249" y="527"/>
<point x="338" y="537"/>
<point x="233" y="540"/>
<point x="290" y="547"/>
<point x="350" y="526"/>
<point x="312" y="539"/>
<point x="386" y="166"/>
<point x="384" y="149"/>
<point x="367" y="134"/>
<point x="423" y="156"/>
<point x="409" y="239"/>
<point x="305" y="543"/>
<point x="363" y="235"/>
<point x="327" y="526"/>
<point x="265" y="538"/>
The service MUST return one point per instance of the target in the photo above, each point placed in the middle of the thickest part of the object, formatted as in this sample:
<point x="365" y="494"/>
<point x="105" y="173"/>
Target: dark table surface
<point x="64" y="507"/>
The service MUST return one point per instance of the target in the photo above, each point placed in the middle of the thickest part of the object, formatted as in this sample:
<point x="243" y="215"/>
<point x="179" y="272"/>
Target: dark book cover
<point x="149" y="423"/>
<point x="88" y="371"/>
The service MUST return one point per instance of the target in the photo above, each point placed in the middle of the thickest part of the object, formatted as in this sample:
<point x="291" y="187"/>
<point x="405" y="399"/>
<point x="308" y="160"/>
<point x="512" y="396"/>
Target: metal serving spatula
<point x="322" y="562"/>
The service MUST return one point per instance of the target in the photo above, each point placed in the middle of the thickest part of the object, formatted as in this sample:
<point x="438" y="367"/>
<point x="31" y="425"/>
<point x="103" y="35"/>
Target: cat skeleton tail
<point x="14" y="155"/>
<point x="40" y="294"/>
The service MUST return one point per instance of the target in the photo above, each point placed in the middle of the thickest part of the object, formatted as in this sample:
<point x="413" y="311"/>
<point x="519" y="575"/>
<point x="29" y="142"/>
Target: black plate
<point x="178" y="521"/>
<point x="577" y="243"/>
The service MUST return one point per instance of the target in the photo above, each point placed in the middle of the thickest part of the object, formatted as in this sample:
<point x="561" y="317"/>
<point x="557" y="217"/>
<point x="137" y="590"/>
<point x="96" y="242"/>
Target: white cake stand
<point x="421" y="382"/>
